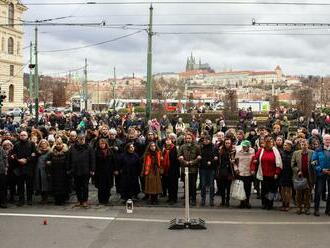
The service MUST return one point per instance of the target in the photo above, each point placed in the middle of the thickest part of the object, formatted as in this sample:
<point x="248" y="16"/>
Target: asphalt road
<point x="148" y="227"/>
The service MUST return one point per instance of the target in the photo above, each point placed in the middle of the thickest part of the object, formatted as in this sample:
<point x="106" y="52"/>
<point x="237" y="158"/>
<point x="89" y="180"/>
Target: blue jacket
<point x="321" y="161"/>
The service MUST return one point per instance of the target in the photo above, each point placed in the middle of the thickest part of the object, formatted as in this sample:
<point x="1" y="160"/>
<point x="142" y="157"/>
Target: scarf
<point x="149" y="161"/>
<point x="278" y="162"/>
<point x="166" y="158"/>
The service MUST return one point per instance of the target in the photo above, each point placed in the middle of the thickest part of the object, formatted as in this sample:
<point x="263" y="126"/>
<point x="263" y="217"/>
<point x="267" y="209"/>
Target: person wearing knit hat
<point x="246" y="143"/>
<point x="242" y="168"/>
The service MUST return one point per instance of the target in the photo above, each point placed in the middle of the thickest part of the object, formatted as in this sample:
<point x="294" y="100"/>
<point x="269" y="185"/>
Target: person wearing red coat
<point x="268" y="165"/>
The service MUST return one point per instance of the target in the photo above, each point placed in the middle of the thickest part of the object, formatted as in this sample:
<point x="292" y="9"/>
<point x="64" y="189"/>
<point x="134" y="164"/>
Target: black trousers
<point x="60" y="198"/>
<point x="81" y="186"/>
<point x="105" y="184"/>
<point x="3" y="189"/>
<point x="173" y="182"/>
<point x="192" y="186"/>
<point x="268" y="186"/>
<point x="22" y="181"/>
<point x="11" y="185"/>
<point x="165" y="185"/>
<point x="224" y="187"/>
<point x="247" y="185"/>
<point x="117" y="183"/>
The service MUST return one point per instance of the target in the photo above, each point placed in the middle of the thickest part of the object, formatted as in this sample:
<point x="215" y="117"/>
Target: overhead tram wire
<point x="240" y="33"/>
<point x="92" y="45"/>
<point x="178" y="3"/>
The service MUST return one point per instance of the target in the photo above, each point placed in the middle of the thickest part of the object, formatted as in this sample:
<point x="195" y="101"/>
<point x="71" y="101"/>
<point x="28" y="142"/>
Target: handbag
<point x="237" y="190"/>
<point x="300" y="183"/>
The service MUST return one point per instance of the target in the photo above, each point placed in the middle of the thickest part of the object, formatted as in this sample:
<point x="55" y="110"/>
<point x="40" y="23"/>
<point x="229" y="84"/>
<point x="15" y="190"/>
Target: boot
<point x="247" y="204"/>
<point x="222" y="202"/>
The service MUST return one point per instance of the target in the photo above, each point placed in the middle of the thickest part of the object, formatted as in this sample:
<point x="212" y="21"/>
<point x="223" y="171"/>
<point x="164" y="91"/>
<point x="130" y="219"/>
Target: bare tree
<point x="165" y="89"/>
<point x="305" y="101"/>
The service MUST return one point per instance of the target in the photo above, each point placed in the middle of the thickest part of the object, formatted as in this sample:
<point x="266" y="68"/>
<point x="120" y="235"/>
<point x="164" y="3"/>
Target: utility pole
<point x="323" y="103"/>
<point x="36" y="76"/>
<point x="113" y="88"/>
<point x="149" y="67"/>
<point x="31" y="79"/>
<point x="98" y="96"/>
<point x="85" y="85"/>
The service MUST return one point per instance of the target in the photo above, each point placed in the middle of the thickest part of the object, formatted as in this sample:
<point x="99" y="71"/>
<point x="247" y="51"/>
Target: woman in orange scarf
<point x="152" y="170"/>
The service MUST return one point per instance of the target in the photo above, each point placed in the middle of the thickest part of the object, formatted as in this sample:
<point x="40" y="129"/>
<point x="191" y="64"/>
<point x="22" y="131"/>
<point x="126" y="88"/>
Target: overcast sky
<point x="234" y="47"/>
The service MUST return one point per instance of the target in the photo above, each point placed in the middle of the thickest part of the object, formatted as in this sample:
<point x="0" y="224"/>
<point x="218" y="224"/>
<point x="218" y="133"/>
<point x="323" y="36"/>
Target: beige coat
<point x="296" y="165"/>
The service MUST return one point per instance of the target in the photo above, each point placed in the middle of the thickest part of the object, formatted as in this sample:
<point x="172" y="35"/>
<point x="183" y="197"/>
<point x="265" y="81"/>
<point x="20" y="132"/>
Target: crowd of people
<point x="62" y="154"/>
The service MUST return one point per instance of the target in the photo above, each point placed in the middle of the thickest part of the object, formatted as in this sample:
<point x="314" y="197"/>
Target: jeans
<point x="321" y="181"/>
<point x="81" y="185"/>
<point x="207" y="180"/>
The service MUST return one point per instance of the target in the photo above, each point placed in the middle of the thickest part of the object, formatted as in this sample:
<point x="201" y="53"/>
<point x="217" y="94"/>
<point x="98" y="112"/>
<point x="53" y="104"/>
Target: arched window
<point x="11" y="14"/>
<point x="11" y="93"/>
<point x="11" y="45"/>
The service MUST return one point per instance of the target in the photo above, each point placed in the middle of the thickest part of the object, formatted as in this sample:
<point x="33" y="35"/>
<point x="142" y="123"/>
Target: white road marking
<point x="214" y="222"/>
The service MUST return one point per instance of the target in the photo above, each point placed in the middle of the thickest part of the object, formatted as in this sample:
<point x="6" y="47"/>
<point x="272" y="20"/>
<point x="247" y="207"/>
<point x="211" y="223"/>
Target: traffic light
<point x="32" y="66"/>
<point x="2" y="97"/>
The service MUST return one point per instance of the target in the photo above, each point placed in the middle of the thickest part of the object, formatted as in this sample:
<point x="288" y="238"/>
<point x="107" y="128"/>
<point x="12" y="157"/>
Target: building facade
<point x="11" y="52"/>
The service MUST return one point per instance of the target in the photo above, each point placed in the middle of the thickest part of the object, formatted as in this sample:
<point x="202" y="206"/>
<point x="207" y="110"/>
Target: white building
<point x="234" y="79"/>
<point x="11" y="54"/>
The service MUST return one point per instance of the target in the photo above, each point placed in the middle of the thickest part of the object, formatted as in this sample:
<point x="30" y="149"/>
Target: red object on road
<point x="45" y="222"/>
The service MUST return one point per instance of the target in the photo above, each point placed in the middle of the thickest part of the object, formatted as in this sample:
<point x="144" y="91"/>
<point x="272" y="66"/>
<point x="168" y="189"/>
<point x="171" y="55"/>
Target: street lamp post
<point x="114" y="82"/>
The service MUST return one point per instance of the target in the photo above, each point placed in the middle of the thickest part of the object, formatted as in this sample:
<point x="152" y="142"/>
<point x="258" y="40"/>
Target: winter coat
<point x="285" y="178"/>
<point x="104" y="167"/>
<point x="41" y="178"/>
<point x="244" y="160"/>
<point x="174" y="168"/>
<point x="58" y="170"/>
<point x="190" y="152"/>
<point x="225" y="166"/>
<point x="152" y="170"/>
<point x="296" y="165"/>
<point x="322" y="162"/>
<point x="81" y="160"/>
<point x="24" y="149"/>
<point x="129" y="169"/>
<point x="208" y="153"/>
<point x="3" y="162"/>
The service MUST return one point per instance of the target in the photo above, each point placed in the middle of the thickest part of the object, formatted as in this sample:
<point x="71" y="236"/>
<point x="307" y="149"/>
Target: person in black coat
<point x="116" y="146"/>
<point x="207" y="169"/>
<point x="285" y="179"/>
<point x="24" y="153"/>
<point x="105" y="168"/>
<point x="129" y="166"/>
<point x="224" y="171"/>
<point x="58" y="169"/>
<point x="81" y="159"/>
<point x="171" y="174"/>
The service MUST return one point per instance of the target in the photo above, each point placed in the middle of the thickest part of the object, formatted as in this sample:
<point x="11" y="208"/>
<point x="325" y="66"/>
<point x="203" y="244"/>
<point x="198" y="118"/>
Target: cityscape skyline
<point x="237" y="45"/>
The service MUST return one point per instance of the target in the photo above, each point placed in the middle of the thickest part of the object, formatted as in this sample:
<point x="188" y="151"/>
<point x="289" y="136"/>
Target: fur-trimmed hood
<point x="56" y="152"/>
